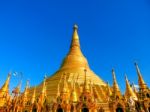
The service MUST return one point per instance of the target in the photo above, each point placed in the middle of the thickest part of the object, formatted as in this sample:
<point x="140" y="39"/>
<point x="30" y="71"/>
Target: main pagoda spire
<point x="74" y="58"/>
<point x="75" y="38"/>
<point x="73" y="65"/>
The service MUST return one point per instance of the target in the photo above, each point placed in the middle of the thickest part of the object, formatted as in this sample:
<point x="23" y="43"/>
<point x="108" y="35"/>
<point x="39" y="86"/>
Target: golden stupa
<point x="76" y="88"/>
<point x="73" y="67"/>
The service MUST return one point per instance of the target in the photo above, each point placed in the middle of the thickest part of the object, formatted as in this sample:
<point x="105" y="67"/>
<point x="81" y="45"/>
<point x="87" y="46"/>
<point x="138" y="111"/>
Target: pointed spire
<point x="74" y="58"/>
<point x="85" y="86"/>
<point x="129" y="92"/>
<point x="27" y="86"/>
<point x="65" y="85"/>
<point x="58" y="87"/>
<point x="115" y="84"/>
<point x="64" y="95"/>
<point x="75" y="43"/>
<point x="116" y="90"/>
<point x="75" y="38"/>
<point x="4" y="92"/>
<point x="24" y="97"/>
<point x="42" y="96"/>
<point x="33" y="96"/>
<point x="5" y="87"/>
<point x="73" y="96"/>
<point x="58" y="90"/>
<point x="141" y="81"/>
<point x="44" y="86"/>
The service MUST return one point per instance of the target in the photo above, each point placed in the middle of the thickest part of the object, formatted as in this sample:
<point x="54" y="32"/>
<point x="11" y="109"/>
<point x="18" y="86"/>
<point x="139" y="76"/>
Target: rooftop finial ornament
<point x="75" y="27"/>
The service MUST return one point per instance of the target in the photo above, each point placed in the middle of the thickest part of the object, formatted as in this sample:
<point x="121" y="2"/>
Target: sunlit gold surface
<point x="73" y="66"/>
<point x="75" y="87"/>
<point x="129" y="91"/>
<point x="141" y="81"/>
<point x="4" y="91"/>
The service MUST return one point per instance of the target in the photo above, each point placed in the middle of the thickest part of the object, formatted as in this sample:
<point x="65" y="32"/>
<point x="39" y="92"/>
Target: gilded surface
<point x="76" y="88"/>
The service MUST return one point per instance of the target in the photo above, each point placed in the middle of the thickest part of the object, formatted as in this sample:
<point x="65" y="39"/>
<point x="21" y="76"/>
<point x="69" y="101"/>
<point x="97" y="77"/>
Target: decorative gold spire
<point x="58" y="90"/>
<point x="75" y="38"/>
<point x="73" y="64"/>
<point x="116" y="90"/>
<point x="43" y="94"/>
<point x="65" y="85"/>
<point x="115" y="84"/>
<point x="58" y="87"/>
<point x="73" y="96"/>
<point x="4" y="92"/>
<point x="64" y="95"/>
<point x="86" y="86"/>
<point x="33" y="96"/>
<point x="75" y="56"/>
<point x="25" y="93"/>
<point x="27" y="86"/>
<point x="141" y="82"/>
<point x="5" y="88"/>
<point x="44" y="86"/>
<point x="129" y="92"/>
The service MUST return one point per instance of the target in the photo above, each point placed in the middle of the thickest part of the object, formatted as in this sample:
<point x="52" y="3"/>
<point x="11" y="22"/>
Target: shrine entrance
<point x="119" y="109"/>
<point x="34" y="110"/>
<point x="85" y="110"/>
<point x="59" y="110"/>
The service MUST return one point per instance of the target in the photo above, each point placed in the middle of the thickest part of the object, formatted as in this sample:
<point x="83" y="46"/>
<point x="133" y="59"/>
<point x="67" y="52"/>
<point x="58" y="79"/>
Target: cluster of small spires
<point x="89" y="95"/>
<point x="114" y="91"/>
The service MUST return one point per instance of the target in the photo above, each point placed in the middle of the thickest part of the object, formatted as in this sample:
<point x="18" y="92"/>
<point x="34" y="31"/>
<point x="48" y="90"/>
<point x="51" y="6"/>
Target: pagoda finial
<point x="116" y="90"/>
<point x="74" y="58"/>
<point x="115" y="84"/>
<point x="33" y="96"/>
<point x="24" y="97"/>
<point x="141" y="81"/>
<point x="5" y="87"/>
<point x="27" y="86"/>
<point x="73" y="96"/>
<point x="129" y="92"/>
<point x="65" y="84"/>
<point x="58" y="90"/>
<point x="44" y="86"/>
<point x="42" y="96"/>
<point x="75" y="27"/>
<point x="75" y="37"/>
<point x="86" y="86"/>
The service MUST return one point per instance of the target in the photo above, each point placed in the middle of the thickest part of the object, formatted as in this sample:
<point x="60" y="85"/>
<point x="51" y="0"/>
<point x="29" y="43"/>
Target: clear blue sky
<point x="35" y="36"/>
